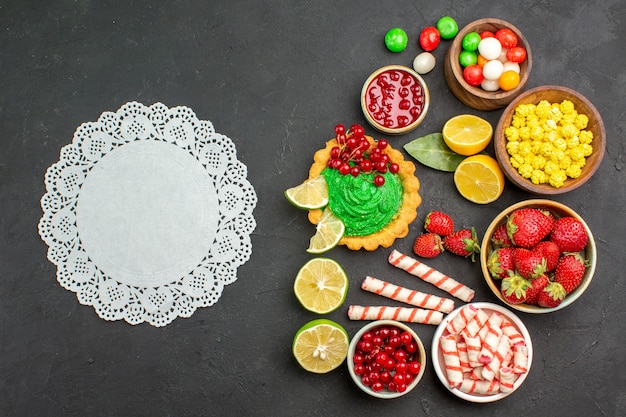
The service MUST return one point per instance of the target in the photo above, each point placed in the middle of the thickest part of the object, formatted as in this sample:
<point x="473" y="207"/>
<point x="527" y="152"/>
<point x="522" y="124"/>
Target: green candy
<point x="447" y="27"/>
<point x="470" y="41"/>
<point x="467" y="58"/>
<point x="396" y="40"/>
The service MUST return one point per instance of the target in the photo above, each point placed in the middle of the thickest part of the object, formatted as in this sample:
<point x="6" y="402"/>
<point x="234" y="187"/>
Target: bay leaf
<point x="432" y="151"/>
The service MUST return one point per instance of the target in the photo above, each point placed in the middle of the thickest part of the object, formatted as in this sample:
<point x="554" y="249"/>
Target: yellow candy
<point x="547" y="142"/>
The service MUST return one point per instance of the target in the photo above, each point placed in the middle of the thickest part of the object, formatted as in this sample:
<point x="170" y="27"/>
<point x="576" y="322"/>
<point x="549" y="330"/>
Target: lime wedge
<point x="311" y="194"/>
<point x="329" y="232"/>
<point x="320" y="346"/>
<point x="321" y="285"/>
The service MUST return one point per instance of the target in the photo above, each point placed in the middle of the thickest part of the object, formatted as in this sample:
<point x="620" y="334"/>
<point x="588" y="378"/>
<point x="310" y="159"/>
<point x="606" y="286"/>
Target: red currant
<point x="345" y="168"/>
<point x="377" y="386"/>
<point x="399" y="379"/>
<point x="402" y="367"/>
<point x="394" y="168"/>
<point x="414" y="367"/>
<point x="359" y="369"/>
<point x="340" y="129"/>
<point x="400" y="355"/>
<point x="411" y="347"/>
<point x="355" y="171"/>
<point x="366" y="165"/>
<point x="406" y="338"/>
<point x="379" y="180"/>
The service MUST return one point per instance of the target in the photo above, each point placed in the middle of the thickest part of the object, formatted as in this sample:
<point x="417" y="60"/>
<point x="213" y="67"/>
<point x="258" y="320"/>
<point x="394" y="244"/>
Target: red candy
<point x="487" y="34"/>
<point x="507" y="38"/>
<point x="516" y="54"/>
<point x="473" y="75"/>
<point x="429" y="38"/>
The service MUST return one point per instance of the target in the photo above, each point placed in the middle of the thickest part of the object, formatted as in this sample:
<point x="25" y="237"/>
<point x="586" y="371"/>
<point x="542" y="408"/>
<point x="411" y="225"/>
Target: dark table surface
<point x="276" y="77"/>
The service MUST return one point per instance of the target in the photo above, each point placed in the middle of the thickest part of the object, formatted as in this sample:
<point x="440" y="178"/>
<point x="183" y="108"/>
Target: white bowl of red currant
<point x="386" y="359"/>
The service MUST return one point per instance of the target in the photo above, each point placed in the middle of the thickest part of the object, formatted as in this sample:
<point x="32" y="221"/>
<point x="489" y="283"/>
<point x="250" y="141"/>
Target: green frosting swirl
<point x="363" y="207"/>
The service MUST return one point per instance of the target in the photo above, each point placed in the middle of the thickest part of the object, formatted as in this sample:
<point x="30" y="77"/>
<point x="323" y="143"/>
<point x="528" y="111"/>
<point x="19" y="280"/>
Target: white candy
<point x="424" y="63"/>
<point x="490" y="85"/>
<point x="510" y="66"/>
<point x="502" y="58"/>
<point x="493" y="69"/>
<point x="490" y="48"/>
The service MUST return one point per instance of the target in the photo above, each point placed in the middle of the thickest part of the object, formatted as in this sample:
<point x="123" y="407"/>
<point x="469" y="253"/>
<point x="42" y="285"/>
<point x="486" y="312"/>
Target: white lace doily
<point x="147" y="214"/>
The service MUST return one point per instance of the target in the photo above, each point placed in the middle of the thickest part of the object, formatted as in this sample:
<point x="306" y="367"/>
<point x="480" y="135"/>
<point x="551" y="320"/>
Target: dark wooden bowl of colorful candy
<point x="475" y="96"/>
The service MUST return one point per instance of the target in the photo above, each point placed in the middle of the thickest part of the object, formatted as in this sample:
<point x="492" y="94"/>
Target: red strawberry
<point x="569" y="234"/>
<point x="528" y="226"/>
<point x="428" y="245"/>
<point x="514" y="288"/>
<point x="551" y="296"/>
<point x="569" y="271"/>
<point x="439" y="222"/>
<point x="500" y="237"/>
<point x="463" y="243"/>
<point x="537" y="285"/>
<point x="529" y="264"/>
<point x="500" y="262"/>
<point x="550" y="252"/>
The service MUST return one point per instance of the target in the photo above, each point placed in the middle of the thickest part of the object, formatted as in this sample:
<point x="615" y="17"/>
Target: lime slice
<point x="321" y="285"/>
<point x="329" y="232"/>
<point x="311" y="194"/>
<point x="320" y="346"/>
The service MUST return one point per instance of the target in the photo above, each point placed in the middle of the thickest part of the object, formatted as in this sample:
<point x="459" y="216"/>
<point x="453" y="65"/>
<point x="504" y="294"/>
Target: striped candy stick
<point x="512" y="333"/>
<point x="476" y="323"/>
<point x="458" y="323"/>
<point x="471" y="386"/>
<point x="409" y="315"/>
<point x="463" y="356"/>
<point x="431" y="275"/>
<point x="451" y="360"/>
<point x="490" y="345"/>
<point x="520" y="359"/>
<point x="492" y="369"/>
<point x="405" y="295"/>
<point x="474" y="346"/>
<point x="507" y="379"/>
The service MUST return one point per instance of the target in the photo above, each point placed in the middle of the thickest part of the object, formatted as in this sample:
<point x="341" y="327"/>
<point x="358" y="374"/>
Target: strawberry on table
<point x="463" y="243"/>
<point x="537" y="285"/>
<point x="569" y="271"/>
<point x="528" y="226"/>
<point x="550" y="252"/>
<point x="569" y="234"/>
<point x="500" y="262"/>
<point x="439" y="222"/>
<point x="529" y="264"/>
<point x="551" y="296"/>
<point x="514" y="289"/>
<point x="428" y="245"/>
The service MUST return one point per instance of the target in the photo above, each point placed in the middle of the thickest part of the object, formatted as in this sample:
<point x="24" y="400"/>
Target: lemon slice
<point x="479" y="179"/>
<point x="321" y="285"/>
<point x="311" y="194"/>
<point x="467" y="134"/>
<point x="320" y="346"/>
<point x="328" y="233"/>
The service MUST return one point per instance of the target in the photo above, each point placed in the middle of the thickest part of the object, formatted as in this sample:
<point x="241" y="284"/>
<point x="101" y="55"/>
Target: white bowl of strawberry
<point x="538" y="256"/>
<point x="386" y="359"/>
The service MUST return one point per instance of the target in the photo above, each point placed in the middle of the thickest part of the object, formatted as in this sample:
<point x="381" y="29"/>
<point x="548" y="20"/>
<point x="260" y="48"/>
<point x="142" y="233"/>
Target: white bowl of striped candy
<point x="482" y="352"/>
